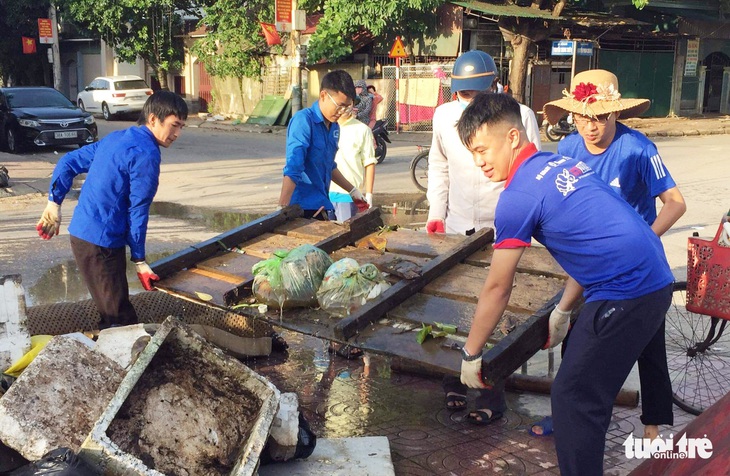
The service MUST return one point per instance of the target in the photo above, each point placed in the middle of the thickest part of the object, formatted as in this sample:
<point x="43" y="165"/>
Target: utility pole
<point x="296" y="70"/>
<point x="56" y="52"/>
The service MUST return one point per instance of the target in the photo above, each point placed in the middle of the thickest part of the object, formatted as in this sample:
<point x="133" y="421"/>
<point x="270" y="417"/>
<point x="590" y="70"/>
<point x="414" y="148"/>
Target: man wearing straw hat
<point x="630" y="163"/>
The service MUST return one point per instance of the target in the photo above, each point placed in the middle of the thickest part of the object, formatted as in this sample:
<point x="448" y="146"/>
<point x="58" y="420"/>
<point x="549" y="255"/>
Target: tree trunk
<point x="518" y="70"/>
<point x="162" y="78"/>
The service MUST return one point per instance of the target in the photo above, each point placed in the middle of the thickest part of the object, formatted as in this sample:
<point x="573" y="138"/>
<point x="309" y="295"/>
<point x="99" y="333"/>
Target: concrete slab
<point x="57" y="399"/>
<point x="366" y="456"/>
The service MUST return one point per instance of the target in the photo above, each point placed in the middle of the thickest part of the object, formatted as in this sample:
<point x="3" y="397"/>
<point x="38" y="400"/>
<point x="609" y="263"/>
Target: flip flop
<point x="453" y="399"/>
<point x="486" y="416"/>
<point x="547" y="427"/>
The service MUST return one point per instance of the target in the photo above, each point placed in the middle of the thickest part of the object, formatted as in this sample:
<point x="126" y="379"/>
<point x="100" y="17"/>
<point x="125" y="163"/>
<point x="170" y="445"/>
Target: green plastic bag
<point x="347" y="286"/>
<point x="268" y="285"/>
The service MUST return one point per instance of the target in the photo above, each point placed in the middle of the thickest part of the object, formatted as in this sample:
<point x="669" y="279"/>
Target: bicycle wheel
<point x="419" y="171"/>
<point x="698" y="355"/>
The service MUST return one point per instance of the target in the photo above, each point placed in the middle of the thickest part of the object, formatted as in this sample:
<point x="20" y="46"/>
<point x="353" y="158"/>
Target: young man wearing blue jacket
<point x="123" y="172"/>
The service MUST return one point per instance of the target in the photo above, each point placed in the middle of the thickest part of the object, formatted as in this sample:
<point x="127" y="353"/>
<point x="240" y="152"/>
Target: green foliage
<point x="19" y="18"/>
<point x="410" y="19"/>
<point x="235" y="45"/>
<point x="149" y="29"/>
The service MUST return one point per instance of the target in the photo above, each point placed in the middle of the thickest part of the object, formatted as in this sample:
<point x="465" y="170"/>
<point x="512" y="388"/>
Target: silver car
<point x="112" y="95"/>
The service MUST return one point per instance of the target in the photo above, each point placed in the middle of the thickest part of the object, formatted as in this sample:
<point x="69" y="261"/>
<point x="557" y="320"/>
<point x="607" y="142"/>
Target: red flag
<point x="272" y="36"/>
<point x="28" y="45"/>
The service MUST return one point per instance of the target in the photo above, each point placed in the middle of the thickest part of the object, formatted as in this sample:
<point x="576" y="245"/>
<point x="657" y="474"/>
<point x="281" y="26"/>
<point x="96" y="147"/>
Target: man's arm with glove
<point x="50" y="222"/>
<point x="559" y="321"/>
<point x="492" y="302"/>
<point x="146" y="276"/>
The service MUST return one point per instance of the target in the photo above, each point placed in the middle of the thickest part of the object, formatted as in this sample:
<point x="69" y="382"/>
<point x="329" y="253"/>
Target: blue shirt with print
<point x="631" y="165"/>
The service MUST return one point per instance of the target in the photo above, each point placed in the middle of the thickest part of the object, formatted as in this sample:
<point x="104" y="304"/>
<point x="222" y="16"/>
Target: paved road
<point x="241" y="172"/>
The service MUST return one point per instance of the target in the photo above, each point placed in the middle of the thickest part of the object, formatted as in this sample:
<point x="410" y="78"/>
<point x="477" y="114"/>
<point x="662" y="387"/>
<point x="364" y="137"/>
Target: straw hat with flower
<point x="594" y="93"/>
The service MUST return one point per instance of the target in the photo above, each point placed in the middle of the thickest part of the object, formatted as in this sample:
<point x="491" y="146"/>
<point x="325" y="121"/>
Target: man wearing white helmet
<point x="462" y="201"/>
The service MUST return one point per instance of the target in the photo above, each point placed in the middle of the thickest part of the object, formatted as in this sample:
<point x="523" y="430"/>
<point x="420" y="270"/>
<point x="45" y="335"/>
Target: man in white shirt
<point x="463" y="201"/>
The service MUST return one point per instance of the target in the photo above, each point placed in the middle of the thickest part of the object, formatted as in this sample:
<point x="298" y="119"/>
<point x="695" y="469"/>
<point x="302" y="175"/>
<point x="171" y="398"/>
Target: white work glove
<point x="50" y="222"/>
<point x="369" y="199"/>
<point x="557" y="327"/>
<point x="471" y="373"/>
<point x="146" y="276"/>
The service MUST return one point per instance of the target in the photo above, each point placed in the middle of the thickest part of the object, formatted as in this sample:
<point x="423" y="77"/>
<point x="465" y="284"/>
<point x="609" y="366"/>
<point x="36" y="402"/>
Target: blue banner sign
<point x="565" y="48"/>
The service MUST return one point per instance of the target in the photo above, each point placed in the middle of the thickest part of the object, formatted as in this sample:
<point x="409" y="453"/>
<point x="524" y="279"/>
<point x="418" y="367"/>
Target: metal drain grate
<point x="151" y="307"/>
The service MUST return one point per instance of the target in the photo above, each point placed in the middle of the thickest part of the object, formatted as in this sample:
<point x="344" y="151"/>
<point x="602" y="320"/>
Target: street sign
<point x="398" y="50"/>
<point x="45" y="31"/>
<point x="565" y="48"/>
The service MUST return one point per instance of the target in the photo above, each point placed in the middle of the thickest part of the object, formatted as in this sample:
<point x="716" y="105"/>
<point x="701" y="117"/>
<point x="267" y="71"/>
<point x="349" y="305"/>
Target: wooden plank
<point x="535" y="260"/>
<point x="187" y="283"/>
<point x="310" y="230"/>
<point x="218" y="244"/>
<point x="264" y="245"/>
<point x="218" y="276"/>
<point x="465" y="282"/>
<point x="425" y="309"/>
<point x="232" y="264"/>
<point x="401" y="291"/>
<point x="357" y="227"/>
<point x="418" y="243"/>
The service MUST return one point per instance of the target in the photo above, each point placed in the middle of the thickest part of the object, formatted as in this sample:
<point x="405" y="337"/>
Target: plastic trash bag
<point x="306" y="443"/>
<point x="268" y="286"/>
<point x="58" y="462"/>
<point x="302" y="272"/>
<point x="290" y="279"/>
<point x="347" y="286"/>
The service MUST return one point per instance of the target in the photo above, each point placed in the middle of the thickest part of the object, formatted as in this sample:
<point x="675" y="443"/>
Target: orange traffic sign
<point x="398" y="50"/>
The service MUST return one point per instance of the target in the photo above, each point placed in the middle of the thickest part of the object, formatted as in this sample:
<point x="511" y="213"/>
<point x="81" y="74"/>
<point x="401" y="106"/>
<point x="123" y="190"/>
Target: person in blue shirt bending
<point x="123" y="172"/>
<point x="311" y="145"/>
<point x="616" y="262"/>
<point x="630" y="163"/>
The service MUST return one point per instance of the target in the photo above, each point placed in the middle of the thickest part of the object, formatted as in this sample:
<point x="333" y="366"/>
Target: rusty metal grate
<point x="151" y="307"/>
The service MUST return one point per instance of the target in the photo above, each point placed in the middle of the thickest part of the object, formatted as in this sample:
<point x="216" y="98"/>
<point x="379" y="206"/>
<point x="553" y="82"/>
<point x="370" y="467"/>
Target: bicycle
<point x="419" y="168"/>
<point x="698" y="350"/>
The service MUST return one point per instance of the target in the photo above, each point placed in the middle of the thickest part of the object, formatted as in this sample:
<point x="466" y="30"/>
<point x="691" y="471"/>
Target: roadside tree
<point x="19" y="18"/>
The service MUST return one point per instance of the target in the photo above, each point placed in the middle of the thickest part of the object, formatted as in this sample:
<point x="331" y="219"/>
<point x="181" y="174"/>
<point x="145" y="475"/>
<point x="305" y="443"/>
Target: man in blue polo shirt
<point x="123" y="172"/>
<point x="311" y="145"/>
<point x="630" y="163"/>
<point x="616" y="260"/>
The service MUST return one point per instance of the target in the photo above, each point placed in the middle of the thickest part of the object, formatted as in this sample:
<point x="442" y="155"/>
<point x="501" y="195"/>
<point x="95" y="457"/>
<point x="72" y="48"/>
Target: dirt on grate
<point x="185" y="416"/>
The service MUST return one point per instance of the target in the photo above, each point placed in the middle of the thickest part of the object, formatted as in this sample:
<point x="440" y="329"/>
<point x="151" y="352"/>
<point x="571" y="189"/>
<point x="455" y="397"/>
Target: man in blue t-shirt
<point x="616" y="261"/>
<point x="630" y="163"/>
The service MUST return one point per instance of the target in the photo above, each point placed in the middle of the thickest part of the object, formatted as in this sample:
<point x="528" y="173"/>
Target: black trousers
<point x="606" y="341"/>
<point x="104" y="271"/>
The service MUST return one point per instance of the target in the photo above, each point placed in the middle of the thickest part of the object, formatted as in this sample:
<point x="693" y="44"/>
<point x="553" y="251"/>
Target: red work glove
<point x="146" y="275"/>
<point x="361" y="205"/>
<point x="435" y="226"/>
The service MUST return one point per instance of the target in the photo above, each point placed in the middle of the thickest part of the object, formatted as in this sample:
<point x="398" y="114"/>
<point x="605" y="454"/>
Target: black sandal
<point x="278" y="343"/>
<point x="346" y="351"/>
<point x="455" y="401"/>
<point x="483" y="416"/>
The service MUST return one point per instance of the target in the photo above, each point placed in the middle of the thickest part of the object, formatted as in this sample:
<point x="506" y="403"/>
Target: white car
<point x="111" y="95"/>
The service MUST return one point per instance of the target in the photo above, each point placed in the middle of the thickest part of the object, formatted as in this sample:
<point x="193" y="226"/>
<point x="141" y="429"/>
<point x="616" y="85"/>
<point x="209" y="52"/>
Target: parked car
<point x="42" y="116"/>
<point x="112" y="95"/>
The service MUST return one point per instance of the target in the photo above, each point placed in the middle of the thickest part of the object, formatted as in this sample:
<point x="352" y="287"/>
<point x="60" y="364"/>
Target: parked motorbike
<point x="419" y="168"/>
<point x="380" y="133"/>
<point x="562" y="128"/>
